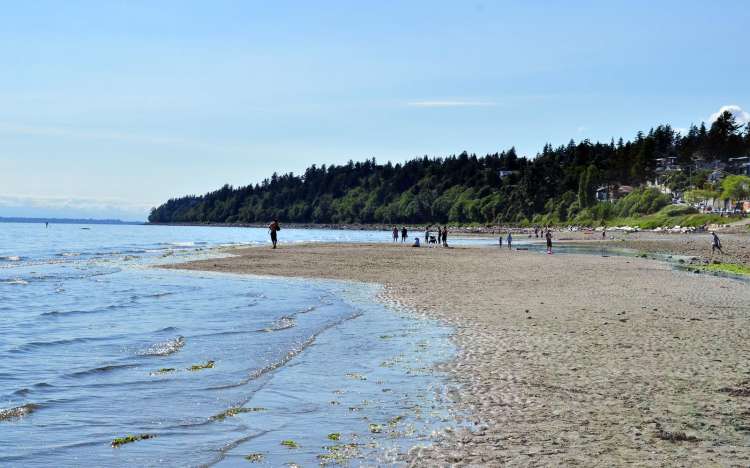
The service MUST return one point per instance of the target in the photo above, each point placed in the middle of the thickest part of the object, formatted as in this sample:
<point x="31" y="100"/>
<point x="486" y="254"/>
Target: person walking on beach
<point x="404" y="232"/>
<point x="445" y="236"/>
<point x="548" y="236"/>
<point x="395" y="234"/>
<point x="510" y="241"/>
<point x="273" y="229"/>
<point x="716" y="245"/>
<point x="500" y="240"/>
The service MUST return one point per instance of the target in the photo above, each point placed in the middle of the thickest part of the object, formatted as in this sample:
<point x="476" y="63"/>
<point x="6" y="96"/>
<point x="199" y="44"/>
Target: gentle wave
<point x="15" y="282"/>
<point x="165" y="348"/>
<point x="99" y="370"/>
<point x="291" y="354"/>
<point x="281" y="323"/>
<point x="45" y="344"/>
<point x="11" y="258"/>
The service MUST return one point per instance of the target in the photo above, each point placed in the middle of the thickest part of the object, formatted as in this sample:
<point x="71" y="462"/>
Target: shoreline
<point x="562" y="359"/>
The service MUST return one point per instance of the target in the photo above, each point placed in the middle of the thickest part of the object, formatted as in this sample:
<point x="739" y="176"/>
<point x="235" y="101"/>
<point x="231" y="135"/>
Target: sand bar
<point x="573" y="360"/>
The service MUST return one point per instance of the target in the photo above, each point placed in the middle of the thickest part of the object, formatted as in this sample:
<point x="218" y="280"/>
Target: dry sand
<point x="564" y="360"/>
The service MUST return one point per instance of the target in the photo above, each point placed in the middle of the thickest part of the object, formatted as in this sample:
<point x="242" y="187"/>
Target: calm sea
<point x="96" y="344"/>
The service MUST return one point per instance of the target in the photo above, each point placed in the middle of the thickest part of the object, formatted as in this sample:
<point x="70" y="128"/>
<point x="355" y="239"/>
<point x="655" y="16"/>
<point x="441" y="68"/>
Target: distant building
<point x="715" y="176"/>
<point x="740" y="165"/>
<point x="612" y="193"/>
<point x="503" y="174"/>
<point x="667" y="165"/>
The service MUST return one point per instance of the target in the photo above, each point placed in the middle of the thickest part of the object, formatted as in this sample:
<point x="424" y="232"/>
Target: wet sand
<point x="564" y="359"/>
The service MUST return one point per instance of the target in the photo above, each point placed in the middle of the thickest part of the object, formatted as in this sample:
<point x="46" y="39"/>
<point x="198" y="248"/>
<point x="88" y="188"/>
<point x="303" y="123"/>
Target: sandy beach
<point x="564" y="360"/>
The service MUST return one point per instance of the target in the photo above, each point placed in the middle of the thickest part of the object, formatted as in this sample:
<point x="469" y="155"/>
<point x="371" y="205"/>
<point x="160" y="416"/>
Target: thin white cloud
<point x="582" y="129"/>
<point x="740" y="115"/>
<point x="438" y="104"/>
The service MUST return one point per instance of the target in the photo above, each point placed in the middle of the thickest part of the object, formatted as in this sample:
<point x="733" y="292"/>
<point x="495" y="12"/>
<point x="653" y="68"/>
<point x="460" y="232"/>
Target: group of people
<point x="404" y="234"/>
<point x="442" y="237"/>
<point x="546" y="233"/>
<point x="429" y="239"/>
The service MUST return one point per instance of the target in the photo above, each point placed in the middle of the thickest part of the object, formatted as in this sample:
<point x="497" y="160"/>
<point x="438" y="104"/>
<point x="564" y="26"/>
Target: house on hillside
<point x="740" y="165"/>
<point x="612" y="193"/>
<point x="701" y="164"/>
<point x="715" y="176"/>
<point x="502" y="174"/>
<point x="668" y="164"/>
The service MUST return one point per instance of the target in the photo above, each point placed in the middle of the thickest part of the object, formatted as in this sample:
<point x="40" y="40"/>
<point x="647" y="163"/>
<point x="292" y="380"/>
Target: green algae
<point x="376" y="428"/>
<point x="395" y="420"/>
<point x="197" y="367"/>
<point x="289" y="444"/>
<point x="164" y="370"/>
<point x="119" y="441"/>
<point x="731" y="268"/>
<point x="334" y="436"/>
<point x="234" y="412"/>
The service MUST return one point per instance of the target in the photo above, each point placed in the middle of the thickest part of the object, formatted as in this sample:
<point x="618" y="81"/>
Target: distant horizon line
<point x="11" y="219"/>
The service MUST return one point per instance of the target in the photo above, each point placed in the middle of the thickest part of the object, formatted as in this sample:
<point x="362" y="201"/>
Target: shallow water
<point x="94" y="345"/>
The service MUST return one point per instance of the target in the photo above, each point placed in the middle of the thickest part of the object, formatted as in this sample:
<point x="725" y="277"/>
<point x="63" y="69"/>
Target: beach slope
<point x="564" y="359"/>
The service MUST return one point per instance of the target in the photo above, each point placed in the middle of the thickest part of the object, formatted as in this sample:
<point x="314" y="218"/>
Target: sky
<point x="110" y="107"/>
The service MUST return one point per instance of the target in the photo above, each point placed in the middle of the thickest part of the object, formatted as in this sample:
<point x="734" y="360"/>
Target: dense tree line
<point x="557" y="185"/>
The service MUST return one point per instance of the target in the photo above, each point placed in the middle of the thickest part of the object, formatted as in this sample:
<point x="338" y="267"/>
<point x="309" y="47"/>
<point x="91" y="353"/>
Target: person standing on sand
<point x="395" y="234"/>
<point x="500" y="240"/>
<point x="427" y="235"/>
<point x="510" y="241"/>
<point x="445" y="236"/>
<point x="404" y="232"/>
<point x="548" y="236"/>
<point x="604" y="233"/>
<point x="716" y="245"/>
<point x="273" y="228"/>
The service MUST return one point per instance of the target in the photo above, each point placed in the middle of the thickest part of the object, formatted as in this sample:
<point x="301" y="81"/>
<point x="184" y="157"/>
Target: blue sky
<point x="110" y="107"/>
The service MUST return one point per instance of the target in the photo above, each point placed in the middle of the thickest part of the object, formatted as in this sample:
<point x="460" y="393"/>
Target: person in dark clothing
<point x="445" y="236"/>
<point x="548" y="236"/>
<point x="510" y="241"/>
<point x="427" y="235"/>
<point x="716" y="245"/>
<point x="395" y="234"/>
<point x="404" y="232"/>
<point x="273" y="229"/>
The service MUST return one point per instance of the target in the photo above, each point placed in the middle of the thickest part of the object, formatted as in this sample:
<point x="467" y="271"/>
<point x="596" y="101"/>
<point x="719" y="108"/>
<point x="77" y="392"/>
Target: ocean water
<point x="98" y="343"/>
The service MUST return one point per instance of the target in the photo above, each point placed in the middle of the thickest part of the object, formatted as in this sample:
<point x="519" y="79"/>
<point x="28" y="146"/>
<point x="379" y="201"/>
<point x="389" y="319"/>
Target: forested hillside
<point x="556" y="186"/>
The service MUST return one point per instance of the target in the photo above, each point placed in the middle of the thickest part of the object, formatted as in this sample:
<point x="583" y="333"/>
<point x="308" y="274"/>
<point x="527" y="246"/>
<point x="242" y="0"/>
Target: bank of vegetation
<point x="558" y="186"/>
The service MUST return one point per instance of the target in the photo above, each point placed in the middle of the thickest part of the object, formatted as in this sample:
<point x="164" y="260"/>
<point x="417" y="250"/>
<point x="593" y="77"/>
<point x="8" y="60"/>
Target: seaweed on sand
<point x="675" y="436"/>
<point x="197" y="367"/>
<point x="743" y="390"/>
<point x="117" y="442"/>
